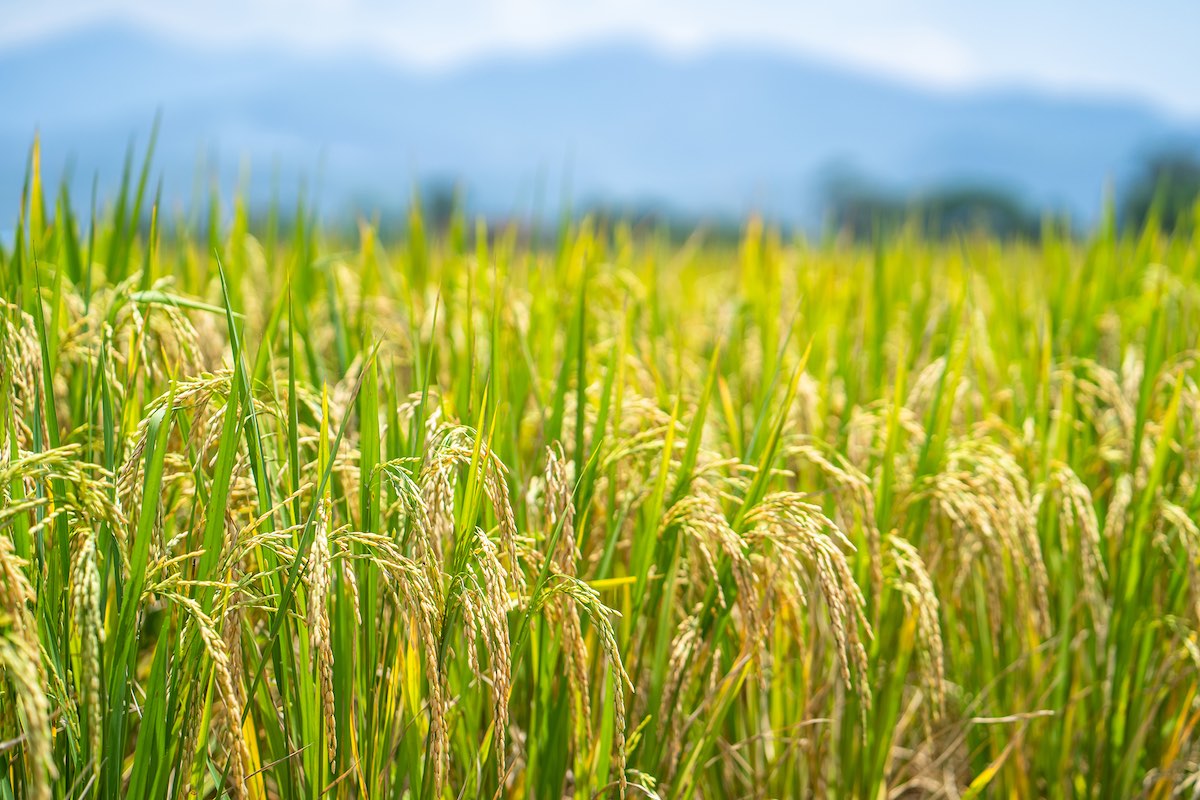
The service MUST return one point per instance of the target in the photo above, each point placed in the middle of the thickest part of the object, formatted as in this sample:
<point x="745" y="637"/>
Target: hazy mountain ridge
<point x="719" y="132"/>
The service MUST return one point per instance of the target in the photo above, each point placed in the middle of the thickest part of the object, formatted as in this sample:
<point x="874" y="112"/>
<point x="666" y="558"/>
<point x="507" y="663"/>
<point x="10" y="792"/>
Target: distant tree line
<point x="864" y="213"/>
<point x="1165" y="191"/>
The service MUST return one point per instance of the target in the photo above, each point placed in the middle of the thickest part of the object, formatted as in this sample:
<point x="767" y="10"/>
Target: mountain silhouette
<point x="718" y="132"/>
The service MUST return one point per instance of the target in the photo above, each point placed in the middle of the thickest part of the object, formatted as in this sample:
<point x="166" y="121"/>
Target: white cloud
<point x="922" y="54"/>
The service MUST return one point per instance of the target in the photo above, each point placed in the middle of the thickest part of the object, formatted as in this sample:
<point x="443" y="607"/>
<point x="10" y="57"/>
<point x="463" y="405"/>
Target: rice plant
<point x="454" y="515"/>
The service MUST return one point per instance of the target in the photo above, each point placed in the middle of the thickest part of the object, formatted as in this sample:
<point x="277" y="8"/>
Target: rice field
<point x="291" y="511"/>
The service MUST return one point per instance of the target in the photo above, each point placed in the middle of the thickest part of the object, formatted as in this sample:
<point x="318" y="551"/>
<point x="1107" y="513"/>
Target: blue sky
<point x="1145" y="49"/>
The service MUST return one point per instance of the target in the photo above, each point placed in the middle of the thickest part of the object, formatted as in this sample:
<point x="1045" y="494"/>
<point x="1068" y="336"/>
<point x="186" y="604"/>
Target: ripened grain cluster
<point x="296" y="512"/>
